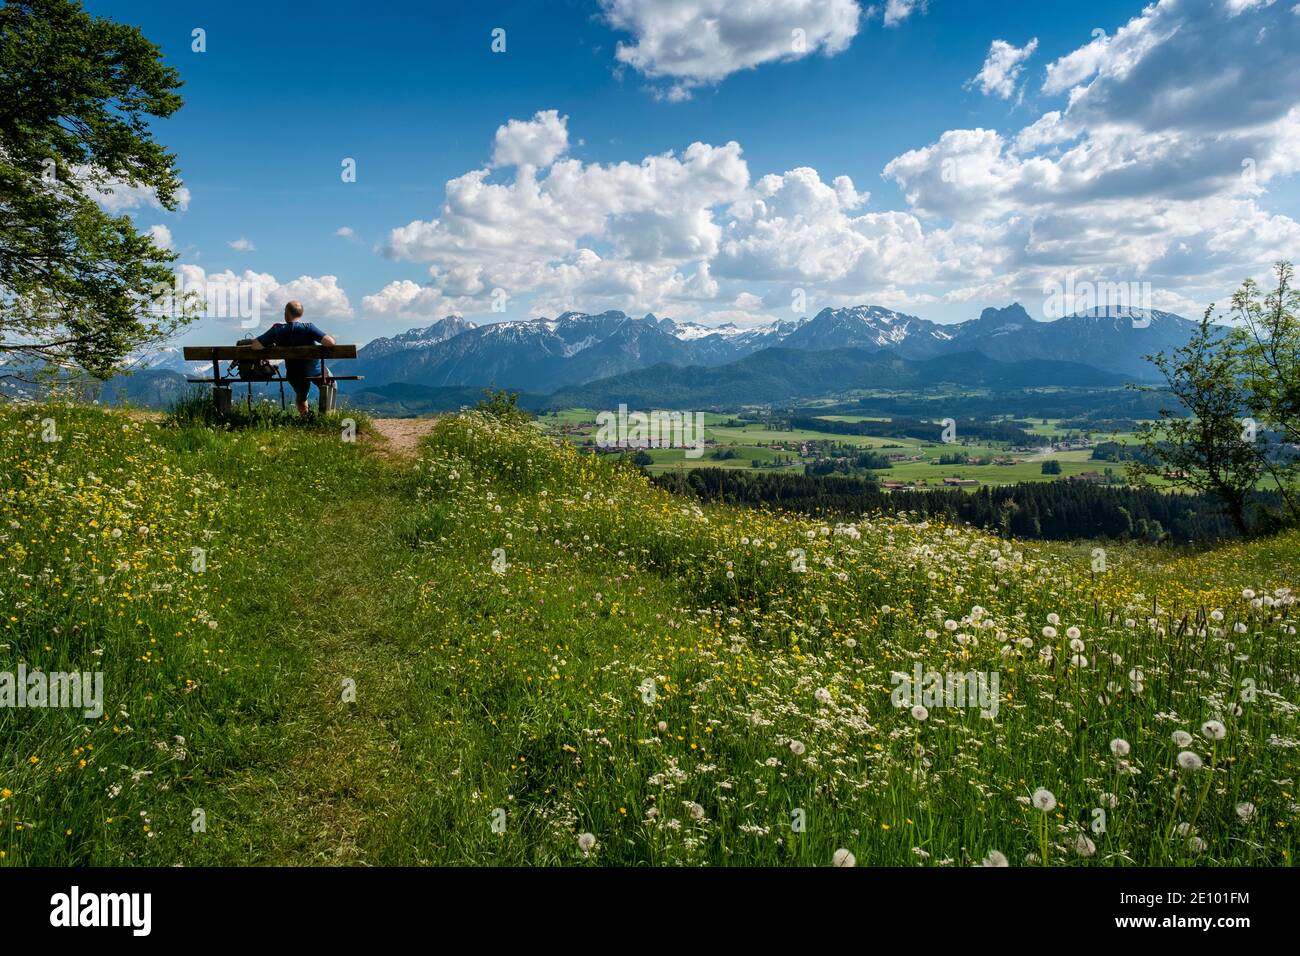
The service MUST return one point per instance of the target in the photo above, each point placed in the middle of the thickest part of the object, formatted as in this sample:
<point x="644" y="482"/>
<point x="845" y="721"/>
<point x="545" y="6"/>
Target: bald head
<point x="292" y="310"/>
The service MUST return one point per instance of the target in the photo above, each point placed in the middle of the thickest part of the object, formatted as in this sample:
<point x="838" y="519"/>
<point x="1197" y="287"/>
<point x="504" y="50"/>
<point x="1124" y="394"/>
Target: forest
<point x="1052" y="510"/>
<point x="908" y="427"/>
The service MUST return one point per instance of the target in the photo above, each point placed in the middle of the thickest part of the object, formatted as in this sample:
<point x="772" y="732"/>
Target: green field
<point x="753" y="441"/>
<point x="995" y="474"/>
<point x="504" y="652"/>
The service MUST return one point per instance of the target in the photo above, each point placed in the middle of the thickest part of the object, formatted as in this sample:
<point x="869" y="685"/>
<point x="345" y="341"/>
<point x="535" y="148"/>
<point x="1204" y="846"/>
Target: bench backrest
<point x="231" y="353"/>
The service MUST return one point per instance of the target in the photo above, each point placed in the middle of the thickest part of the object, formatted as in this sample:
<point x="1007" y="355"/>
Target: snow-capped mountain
<point x="546" y="354"/>
<point x="543" y="354"/>
<point x="169" y="358"/>
<point x="871" y="327"/>
<point x="439" y="331"/>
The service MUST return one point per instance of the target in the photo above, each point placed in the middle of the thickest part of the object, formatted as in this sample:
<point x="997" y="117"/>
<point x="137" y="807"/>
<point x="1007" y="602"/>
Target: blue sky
<point x="414" y="93"/>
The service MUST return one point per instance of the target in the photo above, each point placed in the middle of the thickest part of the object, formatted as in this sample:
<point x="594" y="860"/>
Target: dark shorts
<point x="302" y="388"/>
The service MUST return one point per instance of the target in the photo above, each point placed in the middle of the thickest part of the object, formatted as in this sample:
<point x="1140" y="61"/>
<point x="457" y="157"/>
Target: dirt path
<point x="399" y="437"/>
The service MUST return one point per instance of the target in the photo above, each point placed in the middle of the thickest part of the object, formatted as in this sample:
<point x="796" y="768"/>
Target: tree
<point x="1208" y="451"/>
<point x="504" y="405"/>
<point x="76" y="283"/>
<point x="1267" y="342"/>
<point x="1051" y="467"/>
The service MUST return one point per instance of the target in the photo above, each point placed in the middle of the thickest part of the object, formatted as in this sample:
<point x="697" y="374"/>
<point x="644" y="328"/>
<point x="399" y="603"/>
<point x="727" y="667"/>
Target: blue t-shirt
<point x="295" y="333"/>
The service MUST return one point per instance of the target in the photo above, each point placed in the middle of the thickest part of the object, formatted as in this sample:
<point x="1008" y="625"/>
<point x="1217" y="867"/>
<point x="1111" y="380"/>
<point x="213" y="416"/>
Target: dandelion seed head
<point x="1189" y="761"/>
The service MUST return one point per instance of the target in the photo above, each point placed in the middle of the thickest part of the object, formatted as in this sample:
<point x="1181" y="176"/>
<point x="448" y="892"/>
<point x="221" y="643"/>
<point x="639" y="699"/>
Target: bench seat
<point x="274" y="378"/>
<point x="234" y="353"/>
<point x="216" y="354"/>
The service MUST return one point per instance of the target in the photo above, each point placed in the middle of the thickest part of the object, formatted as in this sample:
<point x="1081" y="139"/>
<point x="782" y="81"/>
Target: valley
<point x="769" y="442"/>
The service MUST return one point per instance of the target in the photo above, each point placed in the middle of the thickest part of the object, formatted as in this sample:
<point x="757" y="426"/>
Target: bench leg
<point x="221" y="399"/>
<point x="328" y="397"/>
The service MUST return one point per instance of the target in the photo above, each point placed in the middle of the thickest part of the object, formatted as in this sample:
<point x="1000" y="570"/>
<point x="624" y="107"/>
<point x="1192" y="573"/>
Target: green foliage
<point x="1050" y="510"/>
<point x="504" y="405"/>
<point x="1241" y="386"/>
<point x="1267" y="345"/>
<point x="1051" y="467"/>
<point x="76" y="96"/>
<point x="908" y="427"/>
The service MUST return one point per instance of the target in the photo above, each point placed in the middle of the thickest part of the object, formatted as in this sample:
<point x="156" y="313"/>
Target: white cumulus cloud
<point x="694" y="42"/>
<point x="161" y="236"/>
<point x="118" y="196"/>
<point x="536" y="142"/>
<point x="1002" y="68"/>
<point x="237" y="294"/>
<point x="1153" y="164"/>
<point x="1151" y="168"/>
<point x="896" y="11"/>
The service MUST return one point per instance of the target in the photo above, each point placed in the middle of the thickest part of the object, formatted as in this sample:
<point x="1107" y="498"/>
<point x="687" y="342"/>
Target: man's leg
<point x="301" y="391"/>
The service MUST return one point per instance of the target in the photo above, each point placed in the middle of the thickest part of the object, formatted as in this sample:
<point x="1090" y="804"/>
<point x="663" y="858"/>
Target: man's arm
<point x="269" y="335"/>
<point x="318" y="334"/>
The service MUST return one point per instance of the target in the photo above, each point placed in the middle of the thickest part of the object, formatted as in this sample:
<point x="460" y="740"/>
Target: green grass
<point x="197" y="410"/>
<point x="671" y="459"/>
<point x="752" y="442"/>
<point x="1072" y="463"/>
<point x="652" y="673"/>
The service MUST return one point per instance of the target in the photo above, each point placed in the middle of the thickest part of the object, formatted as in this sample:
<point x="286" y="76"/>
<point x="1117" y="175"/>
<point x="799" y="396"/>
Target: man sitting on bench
<point x="298" y="372"/>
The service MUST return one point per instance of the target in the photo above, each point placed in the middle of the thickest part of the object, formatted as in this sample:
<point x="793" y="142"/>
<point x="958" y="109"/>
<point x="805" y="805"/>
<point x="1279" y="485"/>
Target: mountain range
<point x="579" y="354"/>
<point x="784" y="375"/>
<point x="545" y="355"/>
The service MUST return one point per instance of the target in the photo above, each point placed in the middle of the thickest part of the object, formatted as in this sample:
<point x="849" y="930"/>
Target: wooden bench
<point x="221" y="385"/>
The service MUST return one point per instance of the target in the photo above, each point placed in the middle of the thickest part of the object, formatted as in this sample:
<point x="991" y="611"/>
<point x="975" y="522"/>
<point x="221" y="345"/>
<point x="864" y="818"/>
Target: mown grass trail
<point x="340" y="594"/>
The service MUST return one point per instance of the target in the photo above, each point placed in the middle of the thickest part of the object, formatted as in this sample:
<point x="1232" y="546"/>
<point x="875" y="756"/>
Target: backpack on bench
<point x="253" y="370"/>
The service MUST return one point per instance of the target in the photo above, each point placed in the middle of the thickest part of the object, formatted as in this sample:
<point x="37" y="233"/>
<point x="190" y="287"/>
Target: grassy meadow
<point x="751" y="443"/>
<point x="503" y="651"/>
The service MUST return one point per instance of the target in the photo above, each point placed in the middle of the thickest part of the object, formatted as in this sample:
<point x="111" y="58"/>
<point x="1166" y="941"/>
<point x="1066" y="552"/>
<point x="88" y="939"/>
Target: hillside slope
<point x="778" y="375"/>
<point x="485" y="654"/>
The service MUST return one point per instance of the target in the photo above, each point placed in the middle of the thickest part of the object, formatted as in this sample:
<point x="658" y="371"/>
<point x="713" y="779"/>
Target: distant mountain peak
<point x="541" y="354"/>
<point x="439" y="331"/>
<point x="1014" y="313"/>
